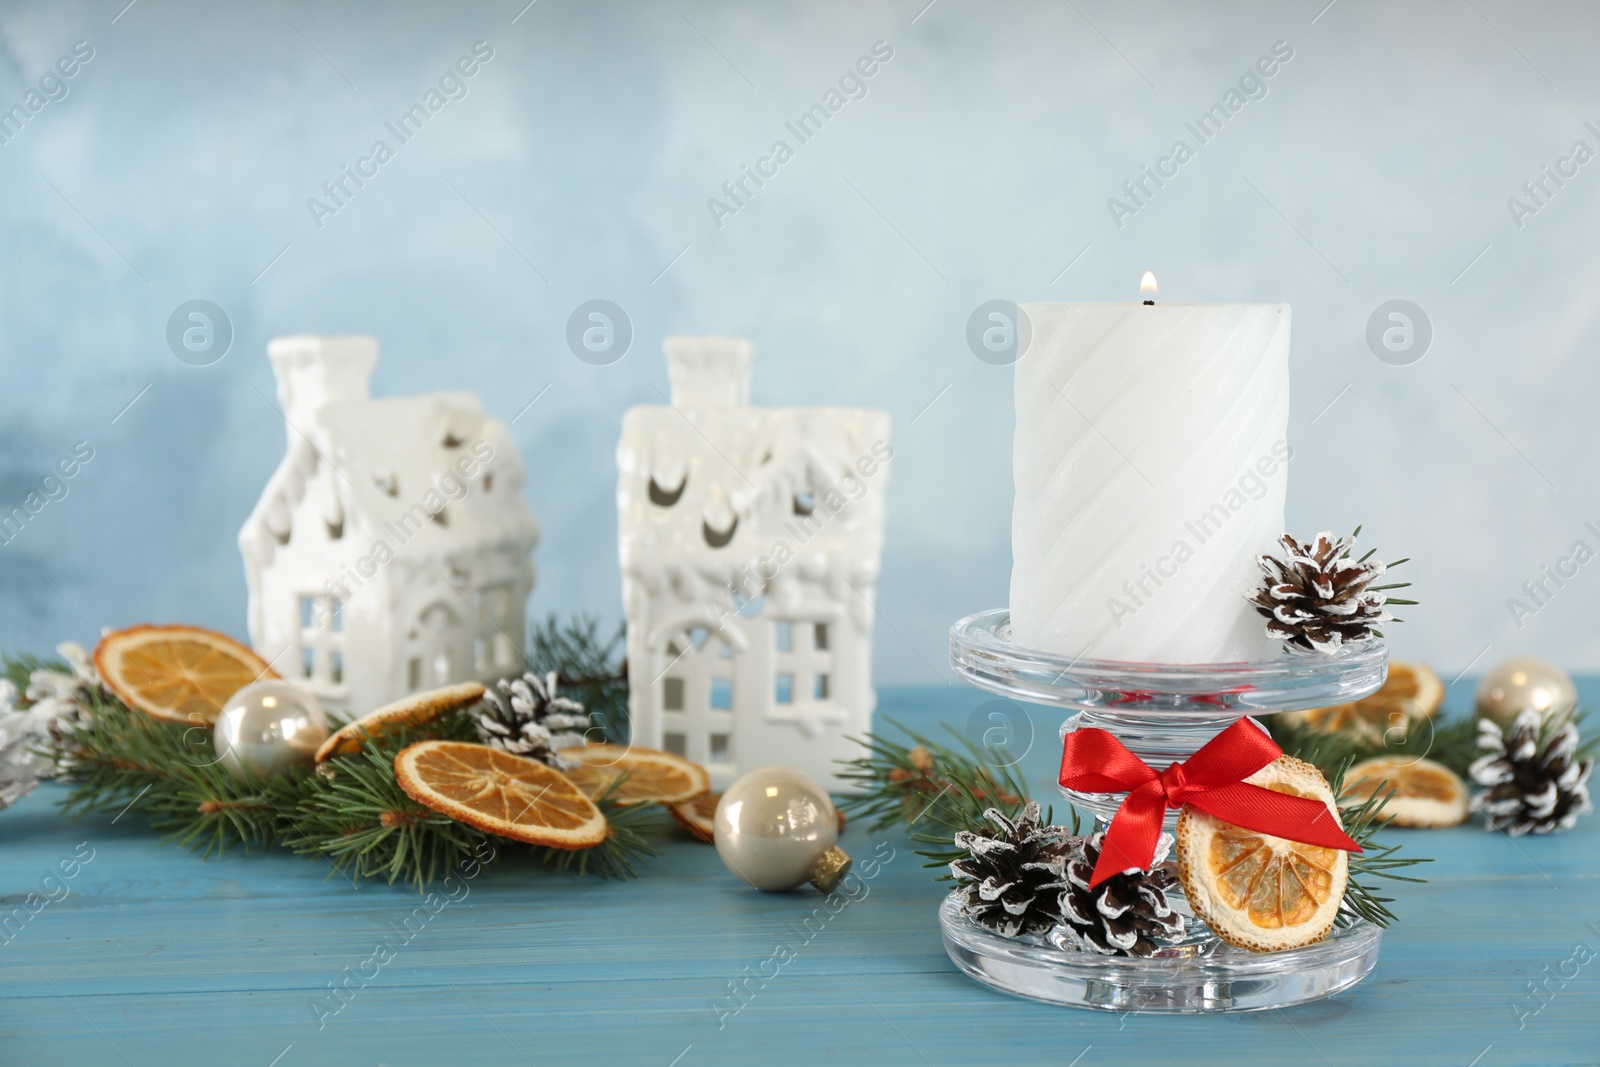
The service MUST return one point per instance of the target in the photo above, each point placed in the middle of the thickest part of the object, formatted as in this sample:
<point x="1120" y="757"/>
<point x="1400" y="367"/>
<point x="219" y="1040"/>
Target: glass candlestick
<point x="1163" y="713"/>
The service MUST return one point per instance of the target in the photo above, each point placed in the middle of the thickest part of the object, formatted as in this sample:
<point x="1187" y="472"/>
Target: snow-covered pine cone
<point x="36" y="722"/>
<point x="1123" y="915"/>
<point x="1317" y="597"/>
<point x="1011" y="881"/>
<point x="1534" y="782"/>
<point x="525" y="717"/>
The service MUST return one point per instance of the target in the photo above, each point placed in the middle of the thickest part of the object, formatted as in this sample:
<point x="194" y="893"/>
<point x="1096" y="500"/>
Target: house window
<point x="480" y="654"/>
<point x="321" y="639"/>
<point x="441" y="668"/>
<point x="414" y="673"/>
<point x="802" y="661"/>
<point x="696" y="695"/>
<point x="504" y="654"/>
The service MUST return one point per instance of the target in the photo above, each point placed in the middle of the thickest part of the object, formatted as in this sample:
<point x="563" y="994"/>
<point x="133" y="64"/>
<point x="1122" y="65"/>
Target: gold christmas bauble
<point x="775" y="828"/>
<point x="1523" y="683"/>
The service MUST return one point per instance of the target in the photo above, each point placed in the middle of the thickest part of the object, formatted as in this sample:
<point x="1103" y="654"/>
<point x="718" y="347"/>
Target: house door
<point x="433" y="658"/>
<point x="694" y="692"/>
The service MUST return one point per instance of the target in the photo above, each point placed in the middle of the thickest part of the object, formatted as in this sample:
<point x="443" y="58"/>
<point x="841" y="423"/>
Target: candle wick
<point x="1149" y="303"/>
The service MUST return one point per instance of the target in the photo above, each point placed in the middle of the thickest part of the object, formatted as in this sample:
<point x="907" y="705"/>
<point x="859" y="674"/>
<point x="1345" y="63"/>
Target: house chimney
<point x="314" y="371"/>
<point x="709" y="372"/>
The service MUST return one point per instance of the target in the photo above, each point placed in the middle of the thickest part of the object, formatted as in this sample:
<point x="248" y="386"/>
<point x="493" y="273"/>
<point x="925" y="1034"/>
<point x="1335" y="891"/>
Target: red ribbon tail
<point x="1303" y="819"/>
<point x="1130" y="840"/>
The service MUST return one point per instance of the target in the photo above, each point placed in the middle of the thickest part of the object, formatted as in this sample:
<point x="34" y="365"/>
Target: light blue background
<point x="978" y="166"/>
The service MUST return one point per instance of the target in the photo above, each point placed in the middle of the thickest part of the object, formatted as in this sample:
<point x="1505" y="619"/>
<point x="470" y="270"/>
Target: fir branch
<point x="1451" y="742"/>
<point x="351" y="810"/>
<point x="1362" y="899"/>
<point x="951" y="786"/>
<point x="121" y="760"/>
<point x="938" y="790"/>
<point x="355" y="813"/>
<point x="18" y="670"/>
<point x="590" y="668"/>
<point x="630" y="827"/>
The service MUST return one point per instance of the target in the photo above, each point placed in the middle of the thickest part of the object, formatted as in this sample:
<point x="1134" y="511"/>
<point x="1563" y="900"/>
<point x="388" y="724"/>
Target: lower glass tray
<point x="1213" y="978"/>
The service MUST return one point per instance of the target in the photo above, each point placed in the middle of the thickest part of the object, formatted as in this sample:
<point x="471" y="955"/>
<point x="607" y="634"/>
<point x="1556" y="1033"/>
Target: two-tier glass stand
<point x="1162" y="713"/>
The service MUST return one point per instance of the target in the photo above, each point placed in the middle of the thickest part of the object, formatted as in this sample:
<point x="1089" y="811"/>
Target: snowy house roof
<point x="370" y="466"/>
<point x="712" y="484"/>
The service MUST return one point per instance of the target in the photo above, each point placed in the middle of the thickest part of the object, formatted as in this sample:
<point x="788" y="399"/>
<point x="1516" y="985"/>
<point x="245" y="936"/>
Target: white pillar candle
<point x="1150" y="466"/>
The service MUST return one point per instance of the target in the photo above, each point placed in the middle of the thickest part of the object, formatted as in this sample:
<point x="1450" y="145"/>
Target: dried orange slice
<point x="1411" y="692"/>
<point x="499" y="793"/>
<point x="1256" y="891"/>
<point x="413" y="710"/>
<point x="695" y="815"/>
<point x="181" y="673"/>
<point x="653" y="775"/>
<point x="1426" y="792"/>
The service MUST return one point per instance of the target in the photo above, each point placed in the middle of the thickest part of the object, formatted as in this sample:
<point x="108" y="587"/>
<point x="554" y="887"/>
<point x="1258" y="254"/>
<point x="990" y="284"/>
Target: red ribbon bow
<point x="1212" y="780"/>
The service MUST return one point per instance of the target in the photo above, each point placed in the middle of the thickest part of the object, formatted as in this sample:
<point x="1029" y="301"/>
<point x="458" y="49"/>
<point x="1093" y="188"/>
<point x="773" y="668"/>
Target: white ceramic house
<point x="750" y="541"/>
<point x="391" y="550"/>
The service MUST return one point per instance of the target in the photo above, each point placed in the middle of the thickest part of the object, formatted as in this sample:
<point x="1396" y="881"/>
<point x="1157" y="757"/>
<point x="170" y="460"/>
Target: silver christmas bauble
<point x="1516" y="685"/>
<point x="776" y="827"/>
<point x="267" y="728"/>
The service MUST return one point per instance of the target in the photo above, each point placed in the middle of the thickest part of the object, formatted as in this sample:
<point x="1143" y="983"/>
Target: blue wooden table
<point x="148" y="955"/>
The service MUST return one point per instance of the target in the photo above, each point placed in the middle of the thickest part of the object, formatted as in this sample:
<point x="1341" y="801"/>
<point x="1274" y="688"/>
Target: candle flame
<point x="1147" y="284"/>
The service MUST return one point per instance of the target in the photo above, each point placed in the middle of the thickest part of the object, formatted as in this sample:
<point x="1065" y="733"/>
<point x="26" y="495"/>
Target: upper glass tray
<point x="981" y="652"/>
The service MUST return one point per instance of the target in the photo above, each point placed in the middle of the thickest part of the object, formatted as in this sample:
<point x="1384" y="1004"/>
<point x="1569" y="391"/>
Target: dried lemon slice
<point x="653" y="776"/>
<point x="1426" y="792"/>
<point x="499" y="793"/>
<point x="1256" y="891"/>
<point x="410" y="711"/>
<point x="182" y="673"/>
